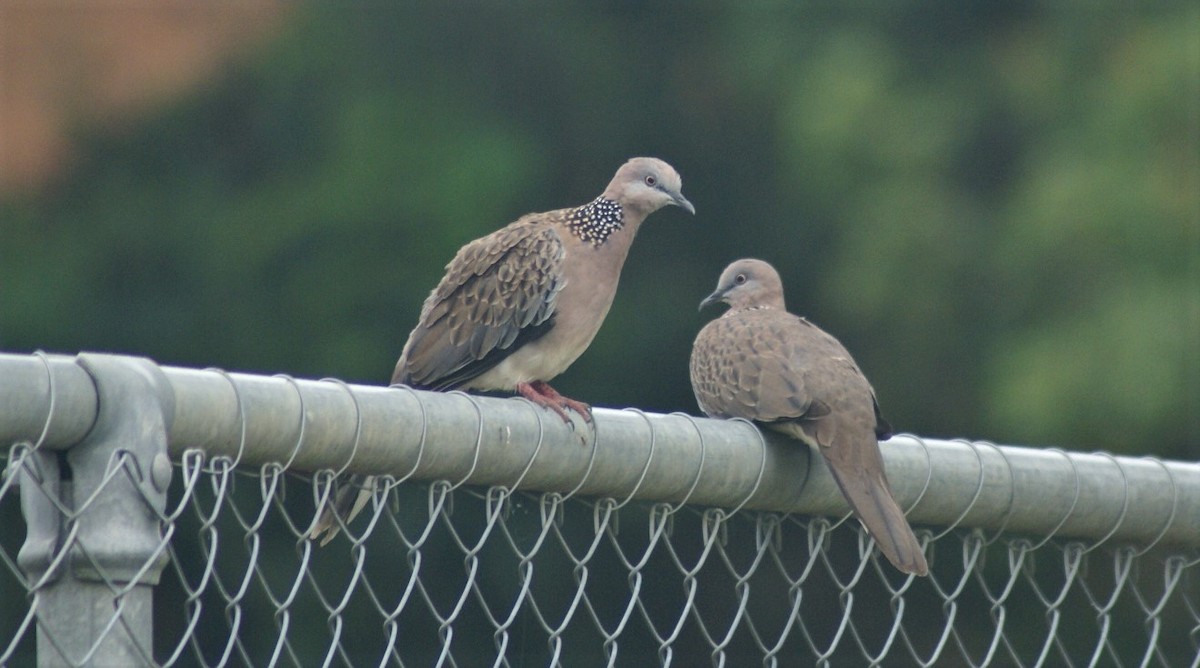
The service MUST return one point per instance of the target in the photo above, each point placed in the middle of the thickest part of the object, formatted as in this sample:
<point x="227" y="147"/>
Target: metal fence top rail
<point x="311" y="425"/>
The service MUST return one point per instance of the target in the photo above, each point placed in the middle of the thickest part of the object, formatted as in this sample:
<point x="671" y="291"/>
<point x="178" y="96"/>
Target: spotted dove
<point x="759" y="362"/>
<point x="518" y="306"/>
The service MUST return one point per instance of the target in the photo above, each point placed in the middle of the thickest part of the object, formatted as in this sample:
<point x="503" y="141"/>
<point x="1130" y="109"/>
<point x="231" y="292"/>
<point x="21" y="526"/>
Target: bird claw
<point x="579" y="407"/>
<point x="540" y="393"/>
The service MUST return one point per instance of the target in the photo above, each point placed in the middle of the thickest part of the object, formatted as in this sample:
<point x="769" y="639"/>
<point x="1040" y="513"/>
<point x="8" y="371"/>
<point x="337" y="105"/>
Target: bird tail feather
<point x="349" y="498"/>
<point x="872" y="502"/>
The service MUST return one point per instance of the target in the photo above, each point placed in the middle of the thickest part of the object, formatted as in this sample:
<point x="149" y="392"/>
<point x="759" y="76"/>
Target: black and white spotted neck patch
<point x="595" y="221"/>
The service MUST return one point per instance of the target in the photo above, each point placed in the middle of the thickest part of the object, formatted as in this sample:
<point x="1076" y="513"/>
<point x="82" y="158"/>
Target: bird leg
<point x="540" y="393"/>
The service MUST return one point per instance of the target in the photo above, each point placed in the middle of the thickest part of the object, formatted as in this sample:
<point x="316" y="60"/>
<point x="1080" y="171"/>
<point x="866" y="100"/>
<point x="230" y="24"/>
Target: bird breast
<point x="580" y="309"/>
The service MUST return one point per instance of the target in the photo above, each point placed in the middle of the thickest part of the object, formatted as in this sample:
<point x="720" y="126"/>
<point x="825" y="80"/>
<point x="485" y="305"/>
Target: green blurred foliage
<point x="993" y="205"/>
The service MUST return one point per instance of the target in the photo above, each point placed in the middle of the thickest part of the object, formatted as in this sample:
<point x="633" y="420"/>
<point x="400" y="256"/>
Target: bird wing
<point x="498" y="294"/>
<point x="751" y="364"/>
<point x="769" y="365"/>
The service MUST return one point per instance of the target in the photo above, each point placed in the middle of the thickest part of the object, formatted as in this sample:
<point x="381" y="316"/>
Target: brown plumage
<point x="518" y="306"/>
<point x="759" y="362"/>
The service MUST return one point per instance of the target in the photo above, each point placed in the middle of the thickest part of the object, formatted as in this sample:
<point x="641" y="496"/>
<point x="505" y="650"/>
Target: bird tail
<point x="349" y="498"/>
<point x="871" y="499"/>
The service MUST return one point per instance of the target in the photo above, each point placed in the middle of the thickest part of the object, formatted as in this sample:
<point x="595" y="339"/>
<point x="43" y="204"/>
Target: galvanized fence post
<point x="94" y="548"/>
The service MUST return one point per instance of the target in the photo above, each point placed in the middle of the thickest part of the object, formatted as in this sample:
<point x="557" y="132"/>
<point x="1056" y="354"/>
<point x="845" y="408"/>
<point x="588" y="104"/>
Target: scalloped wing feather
<point x="498" y="293"/>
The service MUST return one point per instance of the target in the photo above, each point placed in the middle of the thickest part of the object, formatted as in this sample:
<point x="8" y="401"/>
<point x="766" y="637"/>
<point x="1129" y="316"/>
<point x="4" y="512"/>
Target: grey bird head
<point x="748" y="283"/>
<point x="646" y="185"/>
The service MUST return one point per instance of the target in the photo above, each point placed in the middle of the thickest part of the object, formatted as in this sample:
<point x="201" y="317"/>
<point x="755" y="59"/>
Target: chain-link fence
<point x="166" y="512"/>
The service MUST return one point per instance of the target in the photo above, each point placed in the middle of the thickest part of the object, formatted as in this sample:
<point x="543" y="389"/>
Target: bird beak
<point x="681" y="201"/>
<point x="712" y="299"/>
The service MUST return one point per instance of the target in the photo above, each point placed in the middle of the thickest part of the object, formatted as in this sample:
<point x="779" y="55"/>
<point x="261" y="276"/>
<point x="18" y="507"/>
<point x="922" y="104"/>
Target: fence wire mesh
<point x="439" y="574"/>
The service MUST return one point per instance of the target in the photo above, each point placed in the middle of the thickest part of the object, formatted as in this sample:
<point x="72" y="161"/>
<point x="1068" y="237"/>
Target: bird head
<point x="647" y="185"/>
<point x="748" y="283"/>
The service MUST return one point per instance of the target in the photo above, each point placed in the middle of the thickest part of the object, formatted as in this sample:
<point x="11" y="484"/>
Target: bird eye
<point x="651" y="181"/>
<point x="739" y="279"/>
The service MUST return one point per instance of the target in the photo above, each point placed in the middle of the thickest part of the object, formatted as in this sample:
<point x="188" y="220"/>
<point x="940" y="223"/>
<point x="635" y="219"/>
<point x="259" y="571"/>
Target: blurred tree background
<point x="994" y="206"/>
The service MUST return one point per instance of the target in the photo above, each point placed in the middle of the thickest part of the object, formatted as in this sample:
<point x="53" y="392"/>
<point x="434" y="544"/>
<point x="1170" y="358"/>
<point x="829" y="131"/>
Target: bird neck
<point x="596" y="221"/>
<point x="762" y="303"/>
